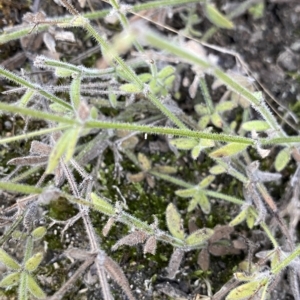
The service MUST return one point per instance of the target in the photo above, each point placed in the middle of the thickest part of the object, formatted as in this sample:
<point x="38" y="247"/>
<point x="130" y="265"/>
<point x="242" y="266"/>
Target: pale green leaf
<point x="102" y="205"/>
<point x="216" y="120"/>
<point x="239" y="218"/>
<point x="199" y="237"/>
<point x="250" y="219"/>
<point x="38" y="232"/>
<point x="201" y="109"/>
<point x="75" y="133"/>
<point x="62" y="72"/>
<point x="10" y="280"/>
<point x="75" y="91"/>
<point x="282" y="159"/>
<point x="203" y="202"/>
<point x="225" y="106"/>
<point x="184" y="144"/>
<point x="166" y="72"/>
<point x="203" y="122"/>
<point x="33" y="262"/>
<point x="7" y="260"/>
<point x="186" y="192"/>
<point x="145" y="77"/>
<point x="192" y="204"/>
<point x="165" y="169"/>
<point x="228" y="150"/>
<point x="58" y="150"/>
<point x="206" y="181"/>
<point x="216" y="170"/>
<point x="196" y="151"/>
<point x="169" y="81"/>
<point x="246" y="290"/>
<point x="174" y="222"/>
<point x="144" y="162"/>
<point x="217" y="18"/>
<point x="256" y="125"/>
<point x="130" y="88"/>
<point x="34" y="288"/>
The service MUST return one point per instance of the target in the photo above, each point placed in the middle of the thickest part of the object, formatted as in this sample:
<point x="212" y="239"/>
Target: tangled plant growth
<point x="91" y="110"/>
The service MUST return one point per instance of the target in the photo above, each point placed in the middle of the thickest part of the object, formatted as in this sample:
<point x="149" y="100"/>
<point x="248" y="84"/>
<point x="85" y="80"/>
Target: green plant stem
<point x="107" y="50"/>
<point x="83" y="71"/>
<point x="32" y="134"/>
<point x="161" y="43"/>
<point x="20" y="188"/>
<point x="35" y="87"/>
<point x="285" y="262"/>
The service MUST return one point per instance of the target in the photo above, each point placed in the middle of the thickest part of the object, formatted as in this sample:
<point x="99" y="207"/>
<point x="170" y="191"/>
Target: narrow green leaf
<point x="282" y="159"/>
<point x="199" y="237"/>
<point x="33" y="262"/>
<point x="250" y="219"/>
<point x="174" y="222"/>
<point x="112" y="98"/>
<point x="169" y="81"/>
<point x="228" y="150"/>
<point x="216" y="170"/>
<point x="34" y="288"/>
<point x="201" y="109"/>
<point x="26" y="97"/>
<point x="186" y="192"/>
<point x="225" y="106"/>
<point x="246" y="290"/>
<point x="256" y="125"/>
<point x="10" y="280"/>
<point x="59" y="149"/>
<point x="184" y="144"/>
<point x="75" y="90"/>
<point x="216" y="120"/>
<point x="166" y="72"/>
<point x="130" y="88"/>
<point x="145" y="77"/>
<point x="206" y="181"/>
<point x="196" y="151"/>
<point x="62" y="72"/>
<point x="217" y="18"/>
<point x="7" y="260"/>
<point x="38" y="233"/>
<point x="144" y="162"/>
<point x="102" y="205"/>
<point x="239" y="218"/>
<point x="74" y="133"/>
<point x="203" y="202"/>
<point x="203" y="122"/>
<point x="192" y="204"/>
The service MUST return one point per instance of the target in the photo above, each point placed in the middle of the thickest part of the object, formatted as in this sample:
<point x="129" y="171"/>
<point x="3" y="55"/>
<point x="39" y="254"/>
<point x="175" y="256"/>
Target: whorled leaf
<point x="184" y="143"/>
<point x="282" y="159"/>
<point x="38" y="233"/>
<point x="34" y="288"/>
<point x="33" y="262"/>
<point x="216" y="170"/>
<point x="186" y="193"/>
<point x="144" y="162"/>
<point x="239" y="218"/>
<point x="228" y="150"/>
<point x="203" y="202"/>
<point x="10" y="280"/>
<point x="256" y="125"/>
<point x="206" y="181"/>
<point x="246" y="290"/>
<point x="130" y="88"/>
<point x="102" y="205"/>
<point x="7" y="260"/>
<point x="174" y="222"/>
